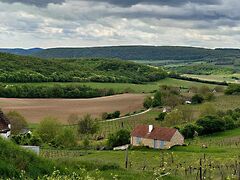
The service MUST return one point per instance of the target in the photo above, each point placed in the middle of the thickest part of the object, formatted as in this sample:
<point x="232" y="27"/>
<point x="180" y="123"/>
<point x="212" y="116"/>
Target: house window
<point x="138" y="140"/>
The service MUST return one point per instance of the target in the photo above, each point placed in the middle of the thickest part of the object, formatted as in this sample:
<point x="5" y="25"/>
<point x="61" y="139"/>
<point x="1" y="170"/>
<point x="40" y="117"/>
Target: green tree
<point x="48" y="129"/>
<point x="18" y="122"/>
<point x="120" y="138"/>
<point x="87" y="125"/>
<point x="190" y="129"/>
<point x="157" y="100"/>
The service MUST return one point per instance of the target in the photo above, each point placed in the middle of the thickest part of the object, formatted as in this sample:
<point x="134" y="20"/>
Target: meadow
<point x="229" y="78"/>
<point x="219" y="160"/>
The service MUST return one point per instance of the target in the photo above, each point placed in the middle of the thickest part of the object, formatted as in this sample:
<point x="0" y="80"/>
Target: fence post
<point x="126" y="158"/>
<point x="200" y="170"/>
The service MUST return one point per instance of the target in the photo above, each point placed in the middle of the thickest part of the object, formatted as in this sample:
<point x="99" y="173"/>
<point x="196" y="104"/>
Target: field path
<point x="34" y="110"/>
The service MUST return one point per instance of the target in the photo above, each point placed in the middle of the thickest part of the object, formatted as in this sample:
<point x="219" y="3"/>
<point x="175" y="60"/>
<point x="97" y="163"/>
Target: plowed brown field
<point x="34" y="110"/>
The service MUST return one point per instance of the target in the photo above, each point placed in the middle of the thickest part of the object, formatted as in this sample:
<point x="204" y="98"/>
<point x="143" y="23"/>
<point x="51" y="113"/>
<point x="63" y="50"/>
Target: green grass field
<point x="229" y="78"/>
<point x="223" y="149"/>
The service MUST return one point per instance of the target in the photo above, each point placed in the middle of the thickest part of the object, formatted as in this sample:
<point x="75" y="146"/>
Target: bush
<point x="157" y="100"/>
<point x="161" y="116"/>
<point x="147" y="102"/>
<point x="229" y="122"/>
<point x="18" y="122"/>
<point x="120" y="138"/>
<point x="211" y="124"/>
<point x="66" y="138"/>
<point x="197" y="99"/>
<point x="113" y="115"/>
<point x="87" y="125"/>
<point x="190" y="129"/>
<point x="48" y="129"/>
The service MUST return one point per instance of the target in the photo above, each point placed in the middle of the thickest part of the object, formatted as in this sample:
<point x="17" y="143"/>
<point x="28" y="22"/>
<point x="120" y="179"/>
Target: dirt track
<point x="36" y="109"/>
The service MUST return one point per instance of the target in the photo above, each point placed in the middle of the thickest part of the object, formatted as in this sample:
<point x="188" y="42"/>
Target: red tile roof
<point x="3" y="123"/>
<point x="158" y="133"/>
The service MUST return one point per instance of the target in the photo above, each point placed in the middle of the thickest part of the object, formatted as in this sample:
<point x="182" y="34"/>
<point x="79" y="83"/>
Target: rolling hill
<point x="23" y="69"/>
<point x="19" y="51"/>
<point x="141" y="53"/>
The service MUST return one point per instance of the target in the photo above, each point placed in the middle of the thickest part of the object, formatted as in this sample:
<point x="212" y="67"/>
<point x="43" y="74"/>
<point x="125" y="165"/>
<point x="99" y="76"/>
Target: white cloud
<point x="89" y="23"/>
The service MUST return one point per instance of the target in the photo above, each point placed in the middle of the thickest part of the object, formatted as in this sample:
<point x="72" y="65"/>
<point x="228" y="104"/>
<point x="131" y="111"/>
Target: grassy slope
<point x="15" y="159"/>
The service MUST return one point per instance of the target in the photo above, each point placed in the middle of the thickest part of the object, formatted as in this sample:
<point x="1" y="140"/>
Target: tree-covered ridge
<point x="29" y="69"/>
<point x="142" y="53"/>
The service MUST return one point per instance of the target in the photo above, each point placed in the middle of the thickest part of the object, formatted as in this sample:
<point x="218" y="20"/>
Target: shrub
<point x="120" y="138"/>
<point x="66" y="138"/>
<point x="161" y="116"/>
<point x="157" y="100"/>
<point x="18" y="122"/>
<point x="48" y="129"/>
<point x="229" y="122"/>
<point x="190" y="129"/>
<point x="211" y="124"/>
<point x="147" y="102"/>
<point x="197" y="99"/>
<point x="87" y="125"/>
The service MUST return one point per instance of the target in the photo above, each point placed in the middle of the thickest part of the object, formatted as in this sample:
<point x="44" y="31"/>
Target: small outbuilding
<point x="5" y="126"/>
<point x="156" y="137"/>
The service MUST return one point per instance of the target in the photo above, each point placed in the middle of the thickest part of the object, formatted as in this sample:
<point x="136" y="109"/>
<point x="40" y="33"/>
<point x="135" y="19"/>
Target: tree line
<point x="54" y="91"/>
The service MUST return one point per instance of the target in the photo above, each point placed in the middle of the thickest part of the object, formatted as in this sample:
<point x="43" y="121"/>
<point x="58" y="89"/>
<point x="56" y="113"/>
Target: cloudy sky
<point x="79" y="23"/>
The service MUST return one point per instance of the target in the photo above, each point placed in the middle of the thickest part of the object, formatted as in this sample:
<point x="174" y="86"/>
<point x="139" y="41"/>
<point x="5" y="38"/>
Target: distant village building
<point x="5" y="126"/>
<point x="156" y="137"/>
<point x="167" y="109"/>
<point x="188" y="102"/>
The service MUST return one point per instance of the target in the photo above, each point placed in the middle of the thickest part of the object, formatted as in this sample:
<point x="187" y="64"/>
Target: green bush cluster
<point x="233" y="89"/>
<point x="121" y="137"/>
<point x="213" y="123"/>
<point x="113" y="115"/>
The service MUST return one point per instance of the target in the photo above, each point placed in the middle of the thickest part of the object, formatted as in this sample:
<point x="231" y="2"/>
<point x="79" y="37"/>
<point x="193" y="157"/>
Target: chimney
<point x="150" y="128"/>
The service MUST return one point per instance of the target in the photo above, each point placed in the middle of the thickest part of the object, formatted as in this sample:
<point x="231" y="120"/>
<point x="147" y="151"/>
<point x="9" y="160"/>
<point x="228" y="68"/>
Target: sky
<point x="85" y="23"/>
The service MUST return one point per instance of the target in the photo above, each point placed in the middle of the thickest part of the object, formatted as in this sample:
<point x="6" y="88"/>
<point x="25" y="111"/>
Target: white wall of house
<point x="5" y="135"/>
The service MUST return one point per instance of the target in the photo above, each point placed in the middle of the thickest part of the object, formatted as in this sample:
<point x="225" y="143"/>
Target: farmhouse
<point x="156" y="137"/>
<point x="5" y="126"/>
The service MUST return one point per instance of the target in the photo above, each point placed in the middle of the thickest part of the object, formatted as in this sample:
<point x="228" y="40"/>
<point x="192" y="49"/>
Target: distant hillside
<point x="141" y="53"/>
<point x="19" y="51"/>
<point x="16" y="68"/>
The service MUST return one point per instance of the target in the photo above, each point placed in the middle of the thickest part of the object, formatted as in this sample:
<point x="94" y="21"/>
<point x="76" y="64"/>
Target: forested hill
<point x="16" y="68"/>
<point x="19" y="51"/>
<point x="141" y="53"/>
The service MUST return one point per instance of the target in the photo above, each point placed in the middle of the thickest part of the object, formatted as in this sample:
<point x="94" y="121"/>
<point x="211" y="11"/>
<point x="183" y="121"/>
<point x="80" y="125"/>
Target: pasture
<point x="34" y="110"/>
<point x="219" y="160"/>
